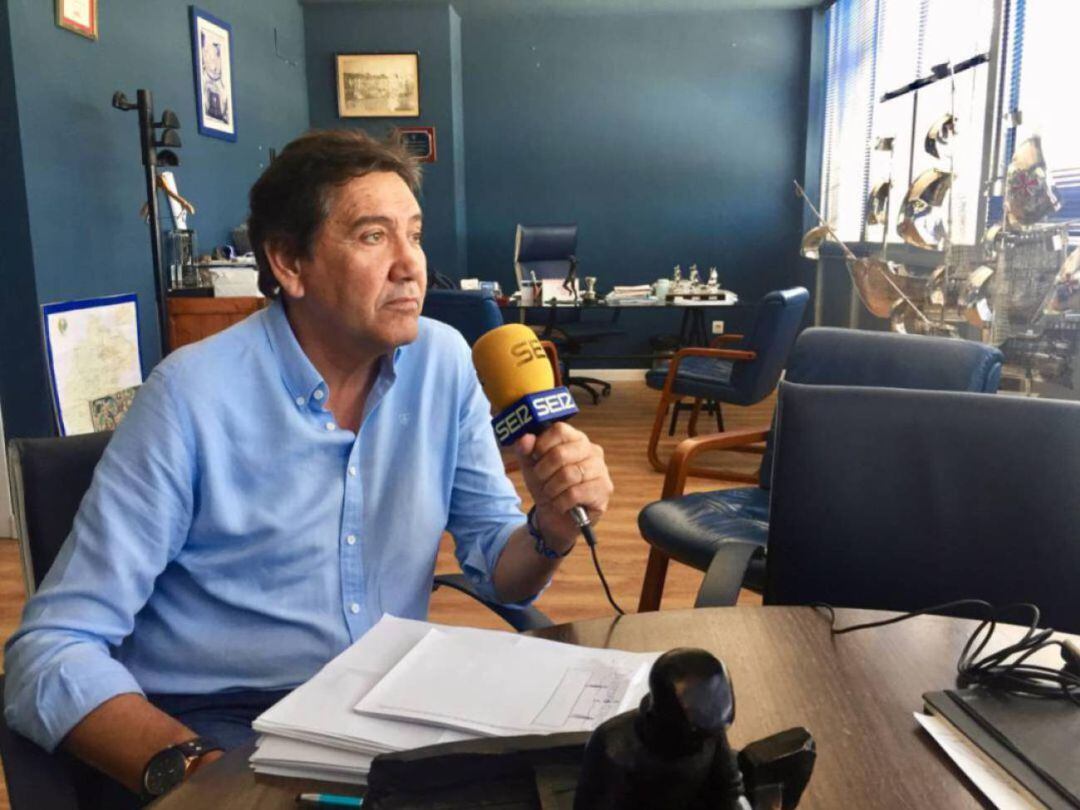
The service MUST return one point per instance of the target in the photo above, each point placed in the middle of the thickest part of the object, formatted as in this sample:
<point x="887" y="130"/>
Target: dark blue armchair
<point x="899" y="500"/>
<point x="691" y="528"/>
<point x="547" y="252"/>
<point x="471" y="312"/>
<point x="740" y="375"/>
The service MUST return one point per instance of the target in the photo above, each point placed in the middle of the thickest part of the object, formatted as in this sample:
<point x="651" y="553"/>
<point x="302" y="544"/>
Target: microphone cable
<point x="1004" y="670"/>
<point x="590" y="540"/>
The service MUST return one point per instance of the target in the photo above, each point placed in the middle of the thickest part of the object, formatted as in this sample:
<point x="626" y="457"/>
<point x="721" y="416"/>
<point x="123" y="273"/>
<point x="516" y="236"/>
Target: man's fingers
<point x="559" y="456"/>
<point x="570" y="476"/>
<point x="559" y="433"/>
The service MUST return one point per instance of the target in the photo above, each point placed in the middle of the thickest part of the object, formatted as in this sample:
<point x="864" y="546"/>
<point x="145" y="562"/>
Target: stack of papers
<point x="408" y="684"/>
<point x="637" y="294"/>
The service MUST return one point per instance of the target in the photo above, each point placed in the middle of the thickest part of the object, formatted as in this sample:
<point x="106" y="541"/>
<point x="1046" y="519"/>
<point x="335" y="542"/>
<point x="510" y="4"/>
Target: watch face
<point x="164" y="772"/>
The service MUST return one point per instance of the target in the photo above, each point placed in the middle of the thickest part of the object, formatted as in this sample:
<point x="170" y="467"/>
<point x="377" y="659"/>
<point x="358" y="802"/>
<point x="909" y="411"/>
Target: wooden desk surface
<point x="855" y="693"/>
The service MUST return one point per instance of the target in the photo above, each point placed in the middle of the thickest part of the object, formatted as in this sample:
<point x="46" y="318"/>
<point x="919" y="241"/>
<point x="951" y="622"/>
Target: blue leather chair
<point x="743" y="374"/>
<point x="547" y="251"/>
<point x="471" y="312"/>
<point x="690" y="528"/>
<point x="899" y="500"/>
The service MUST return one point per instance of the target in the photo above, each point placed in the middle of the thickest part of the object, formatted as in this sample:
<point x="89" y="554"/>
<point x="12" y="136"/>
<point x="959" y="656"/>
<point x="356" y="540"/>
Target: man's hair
<point x="293" y="196"/>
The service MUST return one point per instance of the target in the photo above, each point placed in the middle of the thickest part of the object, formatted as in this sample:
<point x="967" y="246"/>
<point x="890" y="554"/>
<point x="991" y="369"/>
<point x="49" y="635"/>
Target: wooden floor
<point x="620" y="424"/>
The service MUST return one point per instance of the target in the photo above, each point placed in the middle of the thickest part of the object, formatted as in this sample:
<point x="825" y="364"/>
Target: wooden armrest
<point x="679" y="465"/>
<point x="729" y="337"/>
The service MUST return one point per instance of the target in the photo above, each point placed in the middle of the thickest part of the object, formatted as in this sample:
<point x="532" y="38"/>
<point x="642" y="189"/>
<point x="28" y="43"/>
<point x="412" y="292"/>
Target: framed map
<point x="93" y="352"/>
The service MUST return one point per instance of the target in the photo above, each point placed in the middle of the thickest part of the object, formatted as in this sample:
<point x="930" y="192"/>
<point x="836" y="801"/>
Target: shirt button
<point x="354" y="608"/>
<point x="352" y="471"/>
<point x="351" y="539"/>
<point x="300" y="400"/>
<point x="318" y="393"/>
<point x="330" y="426"/>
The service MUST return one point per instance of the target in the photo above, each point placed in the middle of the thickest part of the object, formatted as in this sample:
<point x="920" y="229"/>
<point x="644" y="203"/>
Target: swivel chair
<point x="741" y="375"/>
<point x="547" y="251"/>
<point x="471" y="312"/>
<point x="900" y="500"/>
<point x="691" y="528"/>
<point x="49" y="478"/>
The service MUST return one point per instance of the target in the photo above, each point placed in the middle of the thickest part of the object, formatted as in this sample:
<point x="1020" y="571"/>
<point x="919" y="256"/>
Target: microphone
<point x="516" y="375"/>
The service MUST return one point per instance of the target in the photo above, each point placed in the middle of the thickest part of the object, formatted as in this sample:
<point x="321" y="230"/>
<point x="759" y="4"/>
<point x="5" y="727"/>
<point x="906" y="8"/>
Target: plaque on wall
<point x="419" y="141"/>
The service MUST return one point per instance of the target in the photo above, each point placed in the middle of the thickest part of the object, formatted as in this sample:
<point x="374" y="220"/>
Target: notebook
<point x="1036" y="741"/>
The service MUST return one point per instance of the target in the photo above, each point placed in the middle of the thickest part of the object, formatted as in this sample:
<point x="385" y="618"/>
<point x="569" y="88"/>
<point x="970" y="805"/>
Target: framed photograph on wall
<point x="211" y="49"/>
<point x="419" y="141"/>
<point x="79" y="16"/>
<point x="378" y="85"/>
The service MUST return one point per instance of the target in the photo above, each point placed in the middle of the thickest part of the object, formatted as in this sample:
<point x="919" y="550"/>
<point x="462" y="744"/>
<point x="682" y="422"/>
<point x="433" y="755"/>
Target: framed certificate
<point x="79" y="16"/>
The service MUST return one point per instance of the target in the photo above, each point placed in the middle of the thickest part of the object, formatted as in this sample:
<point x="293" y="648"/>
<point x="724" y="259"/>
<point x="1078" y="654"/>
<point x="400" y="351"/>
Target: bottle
<point x="671" y="752"/>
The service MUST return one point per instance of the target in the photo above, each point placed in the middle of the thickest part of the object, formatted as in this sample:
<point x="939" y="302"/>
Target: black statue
<point x="673" y="751"/>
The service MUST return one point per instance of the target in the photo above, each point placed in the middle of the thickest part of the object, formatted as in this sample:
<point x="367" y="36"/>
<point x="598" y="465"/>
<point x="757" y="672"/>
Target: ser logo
<point x="513" y="422"/>
<point x="525" y="351"/>
<point x="554" y="404"/>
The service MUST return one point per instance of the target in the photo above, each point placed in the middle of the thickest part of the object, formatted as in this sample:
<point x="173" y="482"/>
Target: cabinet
<point x="192" y="319"/>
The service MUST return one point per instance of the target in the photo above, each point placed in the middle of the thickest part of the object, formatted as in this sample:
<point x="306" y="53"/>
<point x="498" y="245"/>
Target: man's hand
<point x="563" y="469"/>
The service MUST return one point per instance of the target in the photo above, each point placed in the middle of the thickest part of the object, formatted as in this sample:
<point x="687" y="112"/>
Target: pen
<point x="328" y="800"/>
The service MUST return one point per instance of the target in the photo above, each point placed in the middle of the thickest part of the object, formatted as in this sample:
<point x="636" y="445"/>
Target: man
<point x="278" y="487"/>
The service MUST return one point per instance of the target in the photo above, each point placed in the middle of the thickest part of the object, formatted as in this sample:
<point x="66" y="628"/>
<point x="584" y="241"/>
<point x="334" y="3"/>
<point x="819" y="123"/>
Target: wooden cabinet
<point x="192" y="319"/>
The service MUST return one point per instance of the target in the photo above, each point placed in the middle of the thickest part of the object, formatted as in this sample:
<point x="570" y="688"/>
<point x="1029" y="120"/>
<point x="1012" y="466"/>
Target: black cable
<point x="590" y="539"/>
<point x="998" y="670"/>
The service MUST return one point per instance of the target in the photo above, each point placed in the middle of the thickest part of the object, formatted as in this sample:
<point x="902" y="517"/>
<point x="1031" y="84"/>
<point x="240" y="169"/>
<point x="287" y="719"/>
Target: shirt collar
<point x="301" y="377"/>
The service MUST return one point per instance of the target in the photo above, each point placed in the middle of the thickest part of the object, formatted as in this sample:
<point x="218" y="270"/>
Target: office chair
<point x="49" y="478"/>
<point x="690" y="528"/>
<point x="742" y="375"/>
<point x="547" y="251"/>
<point x="902" y="499"/>
<point x="471" y="312"/>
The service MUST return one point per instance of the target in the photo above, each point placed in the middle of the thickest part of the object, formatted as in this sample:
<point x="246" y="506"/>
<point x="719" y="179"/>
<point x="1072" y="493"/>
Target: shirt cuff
<point x="46" y="707"/>
<point x="480" y="566"/>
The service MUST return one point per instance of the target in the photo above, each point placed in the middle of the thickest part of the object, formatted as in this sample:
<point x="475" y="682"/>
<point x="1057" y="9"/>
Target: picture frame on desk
<point x="211" y="58"/>
<point x="378" y="85"/>
<point x="79" y="17"/>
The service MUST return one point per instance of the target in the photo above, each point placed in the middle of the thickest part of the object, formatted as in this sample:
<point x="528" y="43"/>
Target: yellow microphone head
<point x="511" y="363"/>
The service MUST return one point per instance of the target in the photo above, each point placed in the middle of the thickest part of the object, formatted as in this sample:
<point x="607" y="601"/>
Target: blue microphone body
<point x="533" y="413"/>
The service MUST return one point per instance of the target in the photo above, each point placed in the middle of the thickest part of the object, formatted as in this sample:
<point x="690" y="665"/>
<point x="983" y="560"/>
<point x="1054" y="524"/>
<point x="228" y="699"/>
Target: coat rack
<point x="157" y="150"/>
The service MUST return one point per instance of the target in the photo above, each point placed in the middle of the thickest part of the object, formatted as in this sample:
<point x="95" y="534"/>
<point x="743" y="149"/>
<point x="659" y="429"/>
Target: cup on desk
<point x="662" y="288"/>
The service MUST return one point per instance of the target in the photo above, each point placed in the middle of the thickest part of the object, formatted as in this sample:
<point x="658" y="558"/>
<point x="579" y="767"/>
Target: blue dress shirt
<point x="234" y="537"/>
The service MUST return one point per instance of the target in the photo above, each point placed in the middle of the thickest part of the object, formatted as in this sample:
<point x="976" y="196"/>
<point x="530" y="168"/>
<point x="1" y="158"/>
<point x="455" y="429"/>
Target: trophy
<point x="590" y="289"/>
<point x="694" y="278"/>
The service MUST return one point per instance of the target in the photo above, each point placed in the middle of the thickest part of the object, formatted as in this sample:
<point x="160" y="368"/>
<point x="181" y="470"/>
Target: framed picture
<point x="211" y="49"/>
<point x="378" y="85"/>
<point x="419" y="141"/>
<point x="79" y="16"/>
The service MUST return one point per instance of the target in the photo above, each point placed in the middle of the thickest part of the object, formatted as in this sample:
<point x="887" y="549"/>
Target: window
<point x="1042" y="36"/>
<point x="876" y="46"/>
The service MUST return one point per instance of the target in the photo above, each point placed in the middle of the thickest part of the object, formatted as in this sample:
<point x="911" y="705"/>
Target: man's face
<point x="366" y="276"/>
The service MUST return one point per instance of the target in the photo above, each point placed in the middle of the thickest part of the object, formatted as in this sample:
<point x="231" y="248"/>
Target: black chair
<point x="471" y="312"/>
<point x="548" y="251"/>
<point x="743" y="374"/>
<point x="49" y="478"/>
<point x="900" y="500"/>
<point x="690" y="528"/>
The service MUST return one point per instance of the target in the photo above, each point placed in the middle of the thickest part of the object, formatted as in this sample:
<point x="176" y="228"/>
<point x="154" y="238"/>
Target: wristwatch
<point x="167" y="768"/>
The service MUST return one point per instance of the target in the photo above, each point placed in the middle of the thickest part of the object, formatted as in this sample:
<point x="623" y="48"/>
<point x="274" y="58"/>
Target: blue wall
<point x="83" y="177"/>
<point x="23" y="387"/>
<point x="670" y="138"/>
<point x="433" y="30"/>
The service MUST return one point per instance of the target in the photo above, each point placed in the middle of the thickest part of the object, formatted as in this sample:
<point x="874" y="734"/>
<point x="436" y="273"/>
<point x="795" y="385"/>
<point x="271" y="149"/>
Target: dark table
<point x="855" y="693"/>
<point x="692" y="330"/>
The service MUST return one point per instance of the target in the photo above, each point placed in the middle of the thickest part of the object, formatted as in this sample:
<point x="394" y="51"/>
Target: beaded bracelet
<point x="541" y="546"/>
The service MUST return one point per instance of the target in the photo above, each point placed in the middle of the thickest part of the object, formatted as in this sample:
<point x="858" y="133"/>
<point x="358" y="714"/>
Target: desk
<point x="855" y="693"/>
